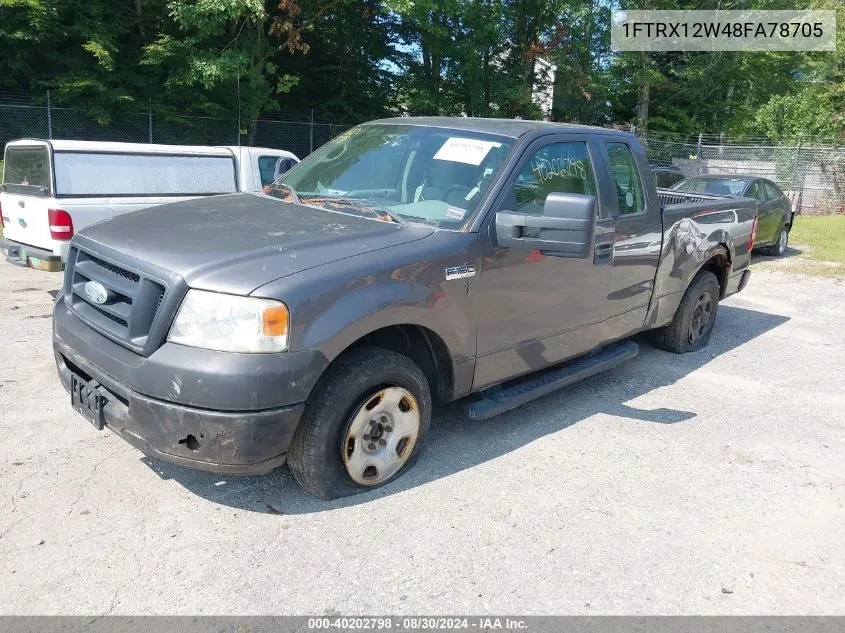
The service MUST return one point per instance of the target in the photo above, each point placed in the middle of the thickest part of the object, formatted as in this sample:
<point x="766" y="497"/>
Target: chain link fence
<point x="300" y="133"/>
<point x="812" y="176"/>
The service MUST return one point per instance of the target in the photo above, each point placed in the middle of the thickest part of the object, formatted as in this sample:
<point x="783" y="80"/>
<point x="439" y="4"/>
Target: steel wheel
<point x="381" y="436"/>
<point x="702" y="314"/>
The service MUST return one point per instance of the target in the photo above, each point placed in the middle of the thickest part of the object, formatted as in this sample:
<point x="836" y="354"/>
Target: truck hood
<point x="237" y="243"/>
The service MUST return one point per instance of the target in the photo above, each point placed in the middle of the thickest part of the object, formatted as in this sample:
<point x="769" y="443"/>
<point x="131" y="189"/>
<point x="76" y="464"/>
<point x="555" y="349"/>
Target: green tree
<point x="217" y="47"/>
<point x="85" y="50"/>
<point x="347" y="69"/>
<point x="452" y="49"/>
<point x="583" y="81"/>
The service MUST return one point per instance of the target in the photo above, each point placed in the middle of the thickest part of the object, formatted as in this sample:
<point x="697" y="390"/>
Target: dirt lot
<point x="707" y="483"/>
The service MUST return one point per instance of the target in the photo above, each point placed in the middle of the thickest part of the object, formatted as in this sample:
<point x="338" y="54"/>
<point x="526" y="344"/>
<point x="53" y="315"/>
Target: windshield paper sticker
<point x="456" y="212"/>
<point x="465" y="150"/>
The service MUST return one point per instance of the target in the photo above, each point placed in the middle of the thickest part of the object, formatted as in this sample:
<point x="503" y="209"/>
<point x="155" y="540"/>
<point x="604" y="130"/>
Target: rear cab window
<point x="665" y="179"/>
<point x="117" y="174"/>
<point x="26" y="170"/>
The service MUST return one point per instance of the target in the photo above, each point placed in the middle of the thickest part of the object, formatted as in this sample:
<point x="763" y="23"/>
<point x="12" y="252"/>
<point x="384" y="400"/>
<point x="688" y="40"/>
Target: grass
<point x="816" y="248"/>
<point x="823" y="235"/>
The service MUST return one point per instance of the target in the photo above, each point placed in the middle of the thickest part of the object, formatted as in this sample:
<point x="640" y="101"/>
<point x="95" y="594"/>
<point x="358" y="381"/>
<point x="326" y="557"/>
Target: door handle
<point x="603" y="253"/>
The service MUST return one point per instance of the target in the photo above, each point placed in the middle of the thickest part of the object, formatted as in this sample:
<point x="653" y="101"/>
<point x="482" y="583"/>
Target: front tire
<point x="363" y="426"/>
<point x="692" y="325"/>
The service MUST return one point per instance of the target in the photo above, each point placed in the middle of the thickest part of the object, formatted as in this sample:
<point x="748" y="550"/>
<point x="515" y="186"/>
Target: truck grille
<point x="117" y="270"/>
<point x="132" y="302"/>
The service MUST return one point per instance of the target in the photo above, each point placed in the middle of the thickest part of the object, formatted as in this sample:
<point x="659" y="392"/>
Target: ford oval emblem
<point x="22" y="222"/>
<point x="96" y="292"/>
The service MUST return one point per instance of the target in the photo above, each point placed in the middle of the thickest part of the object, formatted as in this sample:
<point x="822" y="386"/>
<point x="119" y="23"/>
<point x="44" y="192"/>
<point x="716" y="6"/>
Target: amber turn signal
<point x="275" y="321"/>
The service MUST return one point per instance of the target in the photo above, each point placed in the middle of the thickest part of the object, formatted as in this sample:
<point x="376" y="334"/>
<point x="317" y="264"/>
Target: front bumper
<point x="246" y="443"/>
<point x="168" y="405"/>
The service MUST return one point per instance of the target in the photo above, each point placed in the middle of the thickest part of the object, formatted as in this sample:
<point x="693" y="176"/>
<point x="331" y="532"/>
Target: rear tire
<point x="693" y="322"/>
<point x="352" y="426"/>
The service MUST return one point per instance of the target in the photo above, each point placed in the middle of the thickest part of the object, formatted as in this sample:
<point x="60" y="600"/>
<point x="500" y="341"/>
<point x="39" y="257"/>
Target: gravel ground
<point x="706" y="483"/>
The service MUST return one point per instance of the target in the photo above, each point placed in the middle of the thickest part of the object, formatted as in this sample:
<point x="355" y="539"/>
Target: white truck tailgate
<point x="25" y="220"/>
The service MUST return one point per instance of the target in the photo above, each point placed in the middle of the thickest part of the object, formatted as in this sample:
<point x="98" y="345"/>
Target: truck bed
<point x="736" y="214"/>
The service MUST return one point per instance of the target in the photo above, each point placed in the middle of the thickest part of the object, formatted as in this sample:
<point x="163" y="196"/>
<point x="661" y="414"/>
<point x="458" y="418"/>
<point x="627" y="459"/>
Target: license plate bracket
<point x="87" y="399"/>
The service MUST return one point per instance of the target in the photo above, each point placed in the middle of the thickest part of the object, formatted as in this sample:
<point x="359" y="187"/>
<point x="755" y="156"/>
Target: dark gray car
<point x="406" y="262"/>
<point x="775" y="211"/>
<point x="665" y="177"/>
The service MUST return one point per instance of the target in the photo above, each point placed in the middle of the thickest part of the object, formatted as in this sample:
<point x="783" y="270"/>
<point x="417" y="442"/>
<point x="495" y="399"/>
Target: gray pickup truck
<point x="408" y="261"/>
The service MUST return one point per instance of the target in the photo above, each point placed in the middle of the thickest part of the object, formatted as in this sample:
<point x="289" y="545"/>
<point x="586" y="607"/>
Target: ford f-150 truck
<point x="408" y="261"/>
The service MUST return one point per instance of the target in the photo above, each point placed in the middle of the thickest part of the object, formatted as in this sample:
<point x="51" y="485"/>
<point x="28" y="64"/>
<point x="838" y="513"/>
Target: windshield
<point x="399" y="172"/>
<point x="714" y="186"/>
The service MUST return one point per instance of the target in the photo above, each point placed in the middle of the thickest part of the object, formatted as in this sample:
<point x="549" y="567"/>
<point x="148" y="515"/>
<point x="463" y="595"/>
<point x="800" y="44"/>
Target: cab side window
<point x="554" y="168"/>
<point x="267" y="169"/>
<point x="629" y="189"/>
<point x="283" y="165"/>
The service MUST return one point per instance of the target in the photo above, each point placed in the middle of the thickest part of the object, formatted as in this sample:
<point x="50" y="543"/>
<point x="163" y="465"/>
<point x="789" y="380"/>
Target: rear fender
<point x="688" y="247"/>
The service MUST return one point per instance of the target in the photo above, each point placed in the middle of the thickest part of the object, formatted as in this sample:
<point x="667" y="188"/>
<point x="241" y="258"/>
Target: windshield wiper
<point x="379" y="210"/>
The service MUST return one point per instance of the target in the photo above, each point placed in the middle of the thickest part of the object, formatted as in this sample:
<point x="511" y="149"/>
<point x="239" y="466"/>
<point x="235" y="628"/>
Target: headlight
<point x="229" y="323"/>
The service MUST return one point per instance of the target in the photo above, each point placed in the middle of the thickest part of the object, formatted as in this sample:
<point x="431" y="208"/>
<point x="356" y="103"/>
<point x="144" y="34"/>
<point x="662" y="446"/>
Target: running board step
<point x="526" y="389"/>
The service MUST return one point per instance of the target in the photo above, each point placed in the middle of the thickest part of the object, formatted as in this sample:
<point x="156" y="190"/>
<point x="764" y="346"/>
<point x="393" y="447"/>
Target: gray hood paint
<point x="237" y="243"/>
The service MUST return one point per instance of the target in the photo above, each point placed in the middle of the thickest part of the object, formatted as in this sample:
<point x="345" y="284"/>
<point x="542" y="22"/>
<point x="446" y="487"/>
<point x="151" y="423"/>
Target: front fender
<point x="372" y="307"/>
<point x="334" y="305"/>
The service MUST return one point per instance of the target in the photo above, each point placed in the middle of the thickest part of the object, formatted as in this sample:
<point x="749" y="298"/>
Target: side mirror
<point x="565" y="229"/>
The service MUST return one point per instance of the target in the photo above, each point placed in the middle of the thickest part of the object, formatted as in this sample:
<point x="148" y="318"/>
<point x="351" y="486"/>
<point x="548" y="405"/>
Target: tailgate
<point x="27" y="185"/>
<point x="25" y="220"/>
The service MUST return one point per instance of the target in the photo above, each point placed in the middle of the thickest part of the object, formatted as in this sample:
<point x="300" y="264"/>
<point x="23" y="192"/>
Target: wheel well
<point x="424" y="347"/>
<point x="719" y="265"/>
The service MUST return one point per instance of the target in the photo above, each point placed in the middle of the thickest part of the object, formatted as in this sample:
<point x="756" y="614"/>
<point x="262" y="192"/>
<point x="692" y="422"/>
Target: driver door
<point x="540" y="308"/>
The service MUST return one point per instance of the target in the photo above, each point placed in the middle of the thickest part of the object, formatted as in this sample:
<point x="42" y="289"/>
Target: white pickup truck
<point x="53" y="188"/>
